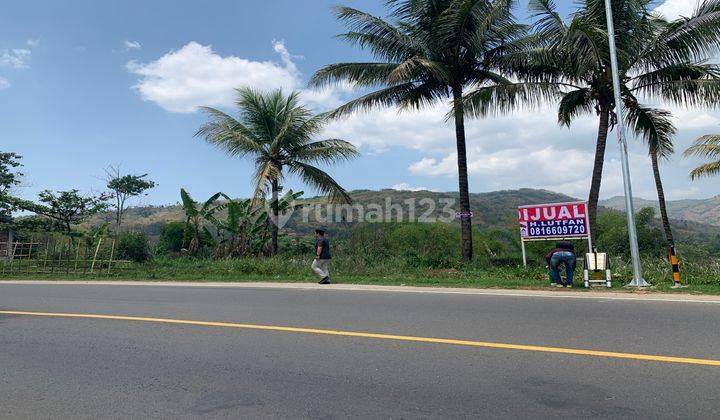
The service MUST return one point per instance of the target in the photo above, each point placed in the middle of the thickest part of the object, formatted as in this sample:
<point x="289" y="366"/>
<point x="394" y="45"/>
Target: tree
<point x="9" y="180"/>
<point x="67" y="207"/>
<point x="435" y="50"/>
<point x="277" y="132"/>
<point x="195" y="214"/>
<point x="125" y="187"/>
<point x="658" y="61"/>
<point x="658" y="136"/>
<point x="172" y="236"/>
<point x="706" y="147"/>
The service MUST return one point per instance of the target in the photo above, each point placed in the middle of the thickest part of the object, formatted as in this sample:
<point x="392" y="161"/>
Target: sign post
<point x="556" y="221"/>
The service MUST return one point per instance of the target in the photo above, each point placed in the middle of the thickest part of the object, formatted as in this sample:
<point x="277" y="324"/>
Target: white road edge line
<point x="368" y="288"/>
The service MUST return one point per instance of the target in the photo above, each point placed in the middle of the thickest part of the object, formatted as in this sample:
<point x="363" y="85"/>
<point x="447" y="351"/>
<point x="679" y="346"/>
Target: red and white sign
<point x="548" y="221"/>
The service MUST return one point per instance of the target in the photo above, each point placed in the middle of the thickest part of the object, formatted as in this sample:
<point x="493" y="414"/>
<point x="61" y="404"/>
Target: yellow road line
<point x="409" y="338"/>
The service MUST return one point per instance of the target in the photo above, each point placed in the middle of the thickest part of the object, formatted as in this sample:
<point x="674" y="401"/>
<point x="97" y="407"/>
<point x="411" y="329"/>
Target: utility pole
<point x="637" y="280"/>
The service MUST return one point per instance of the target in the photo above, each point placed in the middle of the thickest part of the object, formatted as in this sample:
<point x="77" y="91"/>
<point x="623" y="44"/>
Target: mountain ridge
<point x="491" y="209"/>
<point x="705" y="211"/>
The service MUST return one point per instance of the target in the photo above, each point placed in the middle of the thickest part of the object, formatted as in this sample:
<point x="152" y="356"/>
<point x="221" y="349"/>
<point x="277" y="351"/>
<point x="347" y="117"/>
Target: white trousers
<point x="320" y="267"/>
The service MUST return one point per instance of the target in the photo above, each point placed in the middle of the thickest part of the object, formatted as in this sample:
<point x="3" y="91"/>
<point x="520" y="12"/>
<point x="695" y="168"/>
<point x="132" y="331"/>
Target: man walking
<point x="563" y="253"/>
<point x="322" y="256"/>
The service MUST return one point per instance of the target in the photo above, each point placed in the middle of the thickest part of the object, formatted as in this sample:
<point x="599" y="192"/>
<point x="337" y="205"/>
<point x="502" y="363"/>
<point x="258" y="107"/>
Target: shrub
<point x="613" y="234"/>
<point x="133" y="246"/>
<point x="207" y="242"/>
<point x="172" y="236"/>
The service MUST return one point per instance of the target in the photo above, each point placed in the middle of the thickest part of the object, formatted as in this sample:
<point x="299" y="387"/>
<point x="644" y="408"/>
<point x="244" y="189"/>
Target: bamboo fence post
<point x="12" y="257"/>
<point x="77" y="255"/>
<point x="84" y="260"/>
<point x="22" y="256"/>
<point x="47" y="249"/>
<point x="92" y="267"/>
<point x="112" y="252"/>
<point x="52" y="262"/>
<point x="67" y="258"/>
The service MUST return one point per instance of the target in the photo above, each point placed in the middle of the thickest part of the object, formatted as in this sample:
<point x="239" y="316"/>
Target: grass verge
<point x="701" y="279"/>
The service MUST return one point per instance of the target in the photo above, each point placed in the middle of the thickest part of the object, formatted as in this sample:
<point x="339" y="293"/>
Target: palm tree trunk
<point x="275" y="211"/>
<point x="598" y="167"/>
<point x="661" y="200"/>
<point x="465" y="218"/>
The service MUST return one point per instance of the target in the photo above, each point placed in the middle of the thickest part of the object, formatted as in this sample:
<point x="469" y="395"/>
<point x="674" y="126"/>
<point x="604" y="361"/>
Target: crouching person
<point x="563" y="253"/>
<point x="322" y="257"/>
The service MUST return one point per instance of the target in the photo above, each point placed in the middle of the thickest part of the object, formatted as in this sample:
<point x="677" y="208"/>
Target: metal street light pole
<point x="637" y="280"/>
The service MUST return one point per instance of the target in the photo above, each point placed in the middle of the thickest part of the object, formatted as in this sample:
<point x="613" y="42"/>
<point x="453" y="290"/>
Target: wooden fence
<point x="60" y="255"/>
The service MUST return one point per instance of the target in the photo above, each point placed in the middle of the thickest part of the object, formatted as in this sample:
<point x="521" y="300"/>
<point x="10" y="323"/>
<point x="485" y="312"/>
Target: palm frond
<point x="228" y="134"/>
<point x="418" y="68"/>
<point x="508" y="97"/>
<point x="361" y="74"/>
<point x="325" y="151"/>
<point x="548" y="23"/>
<point x="705" y="147"/>
<point x="471" y="22"/>
<point x="692" y="38"/>
<point x="696" y="93"/>
<point x="320" y="180"/>
<point x="380" y="37"/>
<point x="573" y="104"/>
<point x="653" y="126"/>
<point x="389" y="96"/>
<point x="706" y="170"/>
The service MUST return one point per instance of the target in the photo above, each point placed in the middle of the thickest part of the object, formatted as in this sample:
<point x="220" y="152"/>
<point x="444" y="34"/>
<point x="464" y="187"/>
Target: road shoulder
<point x="640" y="295"/>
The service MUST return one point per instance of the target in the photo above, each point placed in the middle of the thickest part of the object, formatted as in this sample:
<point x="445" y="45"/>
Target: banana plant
<point x="241" y="225"/>
<point x="195" y="213"/>
<point x="246" y="228"/>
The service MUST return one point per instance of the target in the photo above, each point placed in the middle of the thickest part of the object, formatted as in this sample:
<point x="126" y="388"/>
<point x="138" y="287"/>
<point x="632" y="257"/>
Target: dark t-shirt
<point x="325" y="253"/>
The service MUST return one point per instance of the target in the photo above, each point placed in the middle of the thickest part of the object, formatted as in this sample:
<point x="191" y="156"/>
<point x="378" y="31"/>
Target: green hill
<point x="490" y="209"/>
<point x="706" y="211"/>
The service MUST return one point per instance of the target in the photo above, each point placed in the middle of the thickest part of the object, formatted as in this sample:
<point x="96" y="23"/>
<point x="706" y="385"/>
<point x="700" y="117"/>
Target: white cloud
<point x="33" y="42"/>
<point x="132" y="45"/>
<point x="428" y="131"/>
<point x="693" y="119"/>
<point x="524" y="149"/>
<point x="15" y="58"/>
<point x="404" y="186"/>
<point x="195" y="75"/>
<point x="285" y="56"/>
<point x="673" y="9"/>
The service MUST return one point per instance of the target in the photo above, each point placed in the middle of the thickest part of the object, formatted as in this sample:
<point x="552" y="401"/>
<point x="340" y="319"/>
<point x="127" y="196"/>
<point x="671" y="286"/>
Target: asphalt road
<point x="59" y="367"/>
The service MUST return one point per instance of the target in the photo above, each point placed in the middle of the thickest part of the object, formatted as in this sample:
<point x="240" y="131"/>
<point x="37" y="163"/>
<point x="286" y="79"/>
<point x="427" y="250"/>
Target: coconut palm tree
<point x="657" y="132"/>
<point x="277" y="131"/>
<point x="430" y="51"/>
<point x="659" y="60"/>
<point x="706" y="147"/>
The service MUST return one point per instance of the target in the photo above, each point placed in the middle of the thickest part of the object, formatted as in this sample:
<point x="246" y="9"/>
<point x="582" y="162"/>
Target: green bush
<point x="207" y="242"/>
<point x="613" y="234"/>
<point x="133" y="246"/>
<point x="172" y="237"/>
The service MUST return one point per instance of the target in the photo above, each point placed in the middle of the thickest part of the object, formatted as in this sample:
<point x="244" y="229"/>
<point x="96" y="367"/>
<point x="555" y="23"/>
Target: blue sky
<point x="87" y="84"/>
